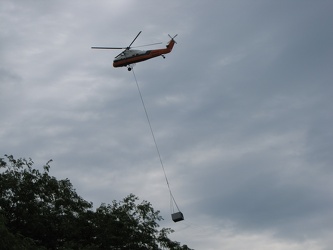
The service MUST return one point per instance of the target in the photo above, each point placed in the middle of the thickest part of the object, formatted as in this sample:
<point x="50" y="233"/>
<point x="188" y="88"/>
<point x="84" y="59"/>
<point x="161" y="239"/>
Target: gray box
<point x="177" y="216"/>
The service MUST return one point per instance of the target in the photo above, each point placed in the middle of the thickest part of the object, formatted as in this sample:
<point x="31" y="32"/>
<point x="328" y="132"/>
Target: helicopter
<point x="130" y="56"/>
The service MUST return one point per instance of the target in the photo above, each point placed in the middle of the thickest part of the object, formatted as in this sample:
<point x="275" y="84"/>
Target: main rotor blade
<point x="147" y="45"/>
<point x="107" y="48"/>
<point x="129" y="46"/>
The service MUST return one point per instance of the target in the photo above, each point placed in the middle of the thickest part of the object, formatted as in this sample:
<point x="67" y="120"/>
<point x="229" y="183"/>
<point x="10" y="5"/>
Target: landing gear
<point x="163" y="56"/>
<point x="130" y="66"/>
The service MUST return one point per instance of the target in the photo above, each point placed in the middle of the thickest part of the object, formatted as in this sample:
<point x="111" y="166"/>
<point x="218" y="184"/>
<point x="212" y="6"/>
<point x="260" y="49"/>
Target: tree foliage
<point x="37" y="211"/>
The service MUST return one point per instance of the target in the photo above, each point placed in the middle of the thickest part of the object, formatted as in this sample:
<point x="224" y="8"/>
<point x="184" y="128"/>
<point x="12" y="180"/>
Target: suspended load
<point x="177" y="216"/>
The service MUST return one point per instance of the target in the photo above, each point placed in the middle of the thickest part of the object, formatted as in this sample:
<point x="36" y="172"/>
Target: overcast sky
<point x="241" y="110"/>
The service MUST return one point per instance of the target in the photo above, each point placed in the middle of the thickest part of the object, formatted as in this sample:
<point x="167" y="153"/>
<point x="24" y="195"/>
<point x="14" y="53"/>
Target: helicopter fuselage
<point x="130" y="56"/>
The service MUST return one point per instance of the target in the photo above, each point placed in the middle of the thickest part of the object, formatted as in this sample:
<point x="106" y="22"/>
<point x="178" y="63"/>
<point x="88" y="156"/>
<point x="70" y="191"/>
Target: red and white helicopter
<point x="130" y="56"/>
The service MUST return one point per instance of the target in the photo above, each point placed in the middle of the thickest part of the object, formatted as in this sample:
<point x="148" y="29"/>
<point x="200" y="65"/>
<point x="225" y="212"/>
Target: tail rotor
<point x="173" y="38"/>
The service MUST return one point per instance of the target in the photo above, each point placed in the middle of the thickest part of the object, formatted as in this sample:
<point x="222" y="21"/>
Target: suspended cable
<point x="172" y="199"/>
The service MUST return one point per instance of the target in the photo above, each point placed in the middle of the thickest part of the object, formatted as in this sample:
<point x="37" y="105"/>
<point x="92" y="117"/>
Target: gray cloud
<point x="240" y="110"/>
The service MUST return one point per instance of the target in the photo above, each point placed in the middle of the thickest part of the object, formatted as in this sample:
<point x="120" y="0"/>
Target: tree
<point x="37" y="211"/>
<point x="17" y="242"/>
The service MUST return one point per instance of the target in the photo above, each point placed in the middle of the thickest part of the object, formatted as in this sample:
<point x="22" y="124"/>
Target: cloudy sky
<point x="241" y="110"/>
